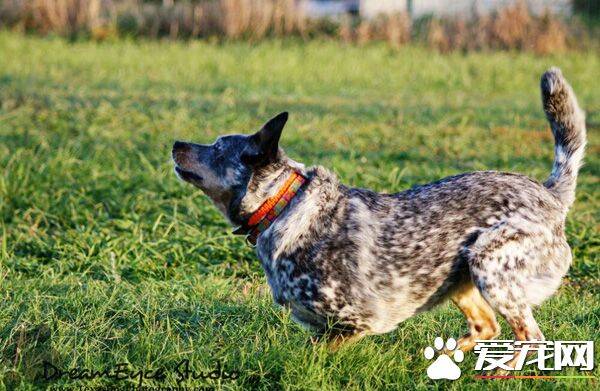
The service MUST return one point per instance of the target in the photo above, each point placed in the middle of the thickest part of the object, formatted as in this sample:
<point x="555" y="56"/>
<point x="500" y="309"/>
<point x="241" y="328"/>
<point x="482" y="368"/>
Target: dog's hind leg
<point x="506" y="292"/>
<point x="480" y="316"/>
<point x="516" y="311"/>
<point x="502" y="261"/>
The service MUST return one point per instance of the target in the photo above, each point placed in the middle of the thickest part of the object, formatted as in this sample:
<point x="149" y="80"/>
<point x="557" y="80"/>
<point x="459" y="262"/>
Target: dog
<point x="351" y="262"/>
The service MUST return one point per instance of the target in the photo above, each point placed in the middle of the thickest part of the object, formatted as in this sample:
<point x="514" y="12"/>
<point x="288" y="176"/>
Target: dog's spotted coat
<point x="351" y="262"/>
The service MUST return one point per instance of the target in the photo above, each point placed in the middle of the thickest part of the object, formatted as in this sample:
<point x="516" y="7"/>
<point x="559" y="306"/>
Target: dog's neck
<point x="307" y="218"/>
<point x="270" y="210"/>
<point x="264" y="184"/>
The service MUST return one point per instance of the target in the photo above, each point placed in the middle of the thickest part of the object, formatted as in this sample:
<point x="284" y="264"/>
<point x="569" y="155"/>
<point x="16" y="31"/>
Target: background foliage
<point x="512" y="27"/>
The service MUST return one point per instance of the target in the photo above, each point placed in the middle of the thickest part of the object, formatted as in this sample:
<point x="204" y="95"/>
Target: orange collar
<point x="272" y="208"/>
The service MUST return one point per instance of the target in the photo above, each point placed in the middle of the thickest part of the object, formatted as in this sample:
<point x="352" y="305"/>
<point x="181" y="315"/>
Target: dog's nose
<point x="179" y="150"/>
<point x="179" y="145"/>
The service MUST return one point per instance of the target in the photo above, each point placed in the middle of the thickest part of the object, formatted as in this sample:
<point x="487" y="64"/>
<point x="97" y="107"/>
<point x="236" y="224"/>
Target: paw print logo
<point x="444" y="367"/>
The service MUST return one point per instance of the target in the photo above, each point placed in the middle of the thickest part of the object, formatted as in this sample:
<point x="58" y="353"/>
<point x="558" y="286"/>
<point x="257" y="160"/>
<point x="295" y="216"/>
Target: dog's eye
<point x="218" y="149"/>
<point x="250" y="158"/>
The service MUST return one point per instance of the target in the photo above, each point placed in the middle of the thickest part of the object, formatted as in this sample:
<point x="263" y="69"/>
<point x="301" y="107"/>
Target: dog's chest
<point x="288" y="281"/>
<point x="295" y="287"/>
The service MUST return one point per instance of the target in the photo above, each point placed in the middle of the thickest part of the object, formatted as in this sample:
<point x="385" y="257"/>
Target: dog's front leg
<point x="342" y="338"/>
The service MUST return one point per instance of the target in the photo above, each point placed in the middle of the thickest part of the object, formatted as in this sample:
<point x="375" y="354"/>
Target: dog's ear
<point x="266" y="140"/>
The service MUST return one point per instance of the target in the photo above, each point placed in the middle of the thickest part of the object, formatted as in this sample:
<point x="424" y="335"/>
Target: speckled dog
<point x="351" y="262"/>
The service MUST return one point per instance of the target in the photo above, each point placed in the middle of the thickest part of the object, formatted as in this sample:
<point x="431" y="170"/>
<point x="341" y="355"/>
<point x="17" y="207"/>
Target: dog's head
<point x="226" y="169"/>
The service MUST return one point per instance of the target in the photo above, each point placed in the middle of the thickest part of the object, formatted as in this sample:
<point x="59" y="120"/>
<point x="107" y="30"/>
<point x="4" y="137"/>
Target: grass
<point x="106" y="258"/>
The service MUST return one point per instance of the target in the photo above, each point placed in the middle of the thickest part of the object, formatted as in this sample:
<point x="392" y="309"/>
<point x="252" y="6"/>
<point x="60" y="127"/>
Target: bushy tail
<point x="568" y="126"/>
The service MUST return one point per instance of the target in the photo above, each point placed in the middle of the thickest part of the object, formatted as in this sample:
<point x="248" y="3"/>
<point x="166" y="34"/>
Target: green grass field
<point x="106" y="258"/>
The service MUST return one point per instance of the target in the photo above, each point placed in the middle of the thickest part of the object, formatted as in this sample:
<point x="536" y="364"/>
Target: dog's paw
<point x="443" y="367"/>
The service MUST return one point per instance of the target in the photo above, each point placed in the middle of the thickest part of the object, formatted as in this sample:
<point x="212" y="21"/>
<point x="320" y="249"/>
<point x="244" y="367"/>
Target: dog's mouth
<point x="187" y="176"/>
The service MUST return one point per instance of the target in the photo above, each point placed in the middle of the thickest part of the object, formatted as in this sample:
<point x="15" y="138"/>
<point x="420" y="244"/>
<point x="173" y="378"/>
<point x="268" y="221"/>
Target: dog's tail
<point x="568" y="127"/>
